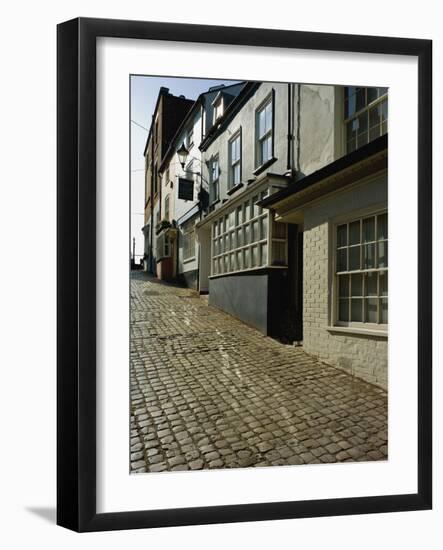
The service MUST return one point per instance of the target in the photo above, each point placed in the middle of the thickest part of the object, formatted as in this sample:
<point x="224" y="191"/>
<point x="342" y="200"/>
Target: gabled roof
<point x="191" y="113"/>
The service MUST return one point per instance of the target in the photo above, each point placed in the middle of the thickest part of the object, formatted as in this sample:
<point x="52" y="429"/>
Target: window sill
<point x="357" y="330"/>
<point x="188" y="260"/>
<point x="263" y="167"/>
<point x="235" y="188"/>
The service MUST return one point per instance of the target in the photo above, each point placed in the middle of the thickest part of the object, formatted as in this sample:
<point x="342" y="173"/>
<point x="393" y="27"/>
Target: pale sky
<point x="144" y="92"/>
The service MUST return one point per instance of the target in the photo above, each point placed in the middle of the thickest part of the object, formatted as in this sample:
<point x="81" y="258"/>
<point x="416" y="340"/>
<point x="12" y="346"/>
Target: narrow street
<point x="207" y="391"/>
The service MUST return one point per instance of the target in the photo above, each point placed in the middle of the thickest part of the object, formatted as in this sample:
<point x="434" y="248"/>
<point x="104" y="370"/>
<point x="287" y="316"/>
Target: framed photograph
<point x="244" y="274"/>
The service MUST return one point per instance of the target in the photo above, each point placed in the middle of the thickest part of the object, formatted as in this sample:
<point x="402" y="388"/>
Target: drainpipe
<point x="290" y="136"/>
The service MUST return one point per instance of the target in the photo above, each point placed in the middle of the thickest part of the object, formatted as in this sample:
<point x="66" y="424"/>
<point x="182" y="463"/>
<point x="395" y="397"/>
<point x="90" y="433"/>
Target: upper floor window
<point x="235" y="160"/>
<point x="155" y="180"/>
<point x="214" y="175"/>
<point x="264" y="132"/>
<point x="362" y="270"/>
<point x="366" y="115"/>
<point x="166" y="208"/>
<point x="218" y="107"/>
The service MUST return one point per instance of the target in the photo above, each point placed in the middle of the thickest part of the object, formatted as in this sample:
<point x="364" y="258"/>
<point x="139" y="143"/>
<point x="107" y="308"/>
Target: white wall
<point x="27" y="470"/>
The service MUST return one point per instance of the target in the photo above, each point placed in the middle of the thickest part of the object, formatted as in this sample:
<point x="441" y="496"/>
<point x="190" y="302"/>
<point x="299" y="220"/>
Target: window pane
<point x="342" y="264"/>
<point x="369" y="256"/>
<point x="246" y="258"/>
<point x="383" y="254"/>
<point x="233" y="245"/>
<point x="360" y="98"/>
<point x="384" y="310"/>
<point x="369" y="229"/>
<point x="351" y="129"/>
<point x="383" y="278"/>
<point x="357" y="309"/>
<point x="372" y="94"/>
<point x="268" y="116"/>
<point x="226" y="262"/>
<point x="351" y="145"/>
<point x="261" y="123"/>
<point x="264" y="228"/>
<point x="278" y="230"/>
<point x="343" y="310"/>
<point x="254" y="256"/>
<point x="239" y="259"/>
<point x="240" y="237"/>
<point x="246" y="234"/>
<point x="232" y="262"/>
<point x="279" y="253"/>
<point x="247" y="211"/>
<point x="342" y="238"/>
<point x="354" y="258"/>
<point x="375" y="116"/>
<point x="382" y="227"/>
<point x="264" y="254"/>
<point x="215" y="247"/>
<point x="227" y="243"/>
<point x="254" y="237"/>
<point x="371" y="284"/>
<point x="236" y="174"/>
<point x="357" y="285"/>
<point x="354" y="232"/>
<point x="371" y="310"/>
<point x="343" y="286"/>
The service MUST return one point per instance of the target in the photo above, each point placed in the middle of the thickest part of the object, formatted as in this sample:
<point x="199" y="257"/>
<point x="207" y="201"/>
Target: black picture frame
<point x="76" y="273"/>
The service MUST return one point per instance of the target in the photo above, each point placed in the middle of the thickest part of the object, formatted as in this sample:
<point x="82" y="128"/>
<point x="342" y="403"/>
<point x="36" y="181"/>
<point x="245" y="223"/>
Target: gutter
<point x="365" y="152"/>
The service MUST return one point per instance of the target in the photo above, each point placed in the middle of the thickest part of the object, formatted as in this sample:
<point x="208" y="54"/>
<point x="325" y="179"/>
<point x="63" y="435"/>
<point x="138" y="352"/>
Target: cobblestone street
<point x="207" y="391"/>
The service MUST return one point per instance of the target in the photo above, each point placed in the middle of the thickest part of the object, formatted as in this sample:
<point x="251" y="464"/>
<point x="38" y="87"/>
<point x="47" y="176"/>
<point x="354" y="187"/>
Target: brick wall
<point x="362" y="355"/>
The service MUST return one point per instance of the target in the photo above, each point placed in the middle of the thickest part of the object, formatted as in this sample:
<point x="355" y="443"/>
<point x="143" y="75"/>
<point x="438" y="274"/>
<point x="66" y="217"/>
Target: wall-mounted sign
<point x="185" y="189"/>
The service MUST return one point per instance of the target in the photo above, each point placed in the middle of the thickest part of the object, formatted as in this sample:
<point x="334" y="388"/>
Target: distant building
<point x="168" y="114"/>
<point x="184" y="191"/>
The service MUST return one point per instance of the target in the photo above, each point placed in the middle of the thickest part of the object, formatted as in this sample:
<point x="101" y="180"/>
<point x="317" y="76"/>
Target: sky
<point x="144" y="92"/>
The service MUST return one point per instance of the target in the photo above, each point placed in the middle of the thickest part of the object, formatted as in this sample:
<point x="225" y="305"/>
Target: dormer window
<point x="217" y="105"/>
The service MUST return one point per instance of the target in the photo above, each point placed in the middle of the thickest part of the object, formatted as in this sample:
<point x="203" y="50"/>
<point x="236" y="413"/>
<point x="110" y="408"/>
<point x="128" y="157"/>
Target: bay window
<point x="361" y="274"/>
<point x="243" y="238"/>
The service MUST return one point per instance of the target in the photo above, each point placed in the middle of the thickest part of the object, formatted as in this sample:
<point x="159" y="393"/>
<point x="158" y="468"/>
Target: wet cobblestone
<point x="207" y="391"/>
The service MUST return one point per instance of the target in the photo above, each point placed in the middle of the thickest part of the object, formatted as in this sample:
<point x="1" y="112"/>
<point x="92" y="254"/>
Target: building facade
<point x="278" y="210"/>
<point x="184" y="190"/>
<point x="168" y="114"/>
<point x="342" y="210"/>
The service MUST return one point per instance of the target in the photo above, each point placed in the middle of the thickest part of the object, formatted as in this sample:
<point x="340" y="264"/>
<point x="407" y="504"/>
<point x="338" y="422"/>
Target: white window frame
<point x="382" y="125"/>
<point x="188" y="241"/>
<point x="364" y="325"/>
<point x="226" y="228"/>
<point x="164" y="246"/>
<point x="167" y="212"/>
<point x="214" y="182"/>
<point x="237" y="162"/>
<point x="270" y="132"/>
<point x="217" y="106"/>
